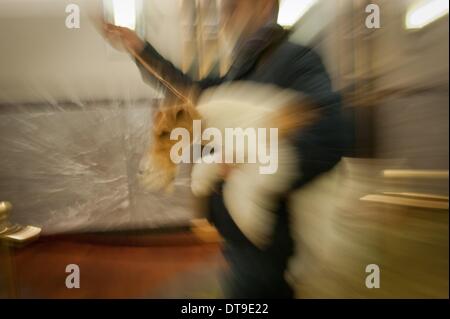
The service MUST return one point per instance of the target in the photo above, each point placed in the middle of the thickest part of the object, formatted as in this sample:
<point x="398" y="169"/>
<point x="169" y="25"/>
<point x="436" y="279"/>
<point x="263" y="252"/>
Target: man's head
<point x="241" y="18"/>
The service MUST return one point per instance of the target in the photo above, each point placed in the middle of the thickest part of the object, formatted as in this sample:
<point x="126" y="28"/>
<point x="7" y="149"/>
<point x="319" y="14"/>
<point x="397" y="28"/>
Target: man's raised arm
<point x="126" y="39"/>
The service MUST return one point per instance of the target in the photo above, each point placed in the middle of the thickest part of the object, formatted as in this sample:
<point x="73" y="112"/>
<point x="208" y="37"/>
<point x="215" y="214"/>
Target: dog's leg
<point x="252" y="198"/>
<point x="250" y="208"/>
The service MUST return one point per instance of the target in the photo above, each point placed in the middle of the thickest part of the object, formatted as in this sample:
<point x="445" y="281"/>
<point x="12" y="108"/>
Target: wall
<point x="76" y="118"/>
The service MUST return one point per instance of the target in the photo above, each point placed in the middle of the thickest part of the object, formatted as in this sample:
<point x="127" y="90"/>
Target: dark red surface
<point x="111" y="266"/>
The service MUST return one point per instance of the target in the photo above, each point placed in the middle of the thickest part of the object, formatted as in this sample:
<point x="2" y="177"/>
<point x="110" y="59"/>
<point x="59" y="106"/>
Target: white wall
<point x="42" y="60"/>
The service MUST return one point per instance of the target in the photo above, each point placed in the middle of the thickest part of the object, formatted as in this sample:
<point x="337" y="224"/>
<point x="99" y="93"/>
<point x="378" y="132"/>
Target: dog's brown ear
<point x="162" y="122"/>
<point x="167" y="118"/>
<point x="185" y="109"/>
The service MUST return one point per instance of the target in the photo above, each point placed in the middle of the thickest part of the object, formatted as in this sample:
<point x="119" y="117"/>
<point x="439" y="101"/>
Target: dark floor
<point x="119" y="266"/>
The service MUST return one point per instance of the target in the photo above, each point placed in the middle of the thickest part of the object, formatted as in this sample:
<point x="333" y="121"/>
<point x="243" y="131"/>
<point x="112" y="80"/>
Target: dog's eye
<point x="179" y="114"/>
<point x="164" y="134"/>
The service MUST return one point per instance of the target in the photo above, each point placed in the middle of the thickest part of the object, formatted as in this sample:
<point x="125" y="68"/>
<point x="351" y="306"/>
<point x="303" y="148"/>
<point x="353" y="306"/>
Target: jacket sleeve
<point x="169" y="72"/>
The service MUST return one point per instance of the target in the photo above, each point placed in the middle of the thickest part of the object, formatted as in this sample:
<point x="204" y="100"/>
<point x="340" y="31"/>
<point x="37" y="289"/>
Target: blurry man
<point x="264" y="54"/>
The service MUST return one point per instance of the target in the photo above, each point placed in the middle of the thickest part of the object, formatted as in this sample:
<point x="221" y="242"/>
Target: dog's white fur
<point x="249" y="196"/>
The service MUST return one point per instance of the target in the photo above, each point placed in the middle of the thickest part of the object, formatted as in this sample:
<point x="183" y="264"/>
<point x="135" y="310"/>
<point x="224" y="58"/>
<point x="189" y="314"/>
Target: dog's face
<point x="156" y="170"/>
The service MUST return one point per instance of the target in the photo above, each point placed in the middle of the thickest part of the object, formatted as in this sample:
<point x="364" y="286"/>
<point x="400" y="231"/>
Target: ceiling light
<point x="124" y="13"/>
<point x="425" y="12"/>
<point x="292" y="10"/>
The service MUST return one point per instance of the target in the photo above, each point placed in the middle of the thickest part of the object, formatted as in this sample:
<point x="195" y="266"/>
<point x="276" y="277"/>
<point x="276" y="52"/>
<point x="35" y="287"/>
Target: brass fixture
<point x="15" y="233"/>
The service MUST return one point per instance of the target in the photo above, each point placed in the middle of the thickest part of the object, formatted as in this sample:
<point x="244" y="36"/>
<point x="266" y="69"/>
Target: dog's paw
<point x="201" y="188"/>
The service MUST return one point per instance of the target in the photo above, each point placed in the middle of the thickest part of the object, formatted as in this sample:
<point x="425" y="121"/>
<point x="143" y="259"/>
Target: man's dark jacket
<point x="269" y="57"/>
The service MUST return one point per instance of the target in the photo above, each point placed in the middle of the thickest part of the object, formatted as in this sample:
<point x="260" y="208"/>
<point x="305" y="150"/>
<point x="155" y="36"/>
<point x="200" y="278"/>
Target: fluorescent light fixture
<point x="124" y="13"/>
<point x="425" y="12"/>
<point x="292" y="10"/>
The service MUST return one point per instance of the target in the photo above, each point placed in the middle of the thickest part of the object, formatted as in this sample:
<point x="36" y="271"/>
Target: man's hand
<point x="123" y="38"/>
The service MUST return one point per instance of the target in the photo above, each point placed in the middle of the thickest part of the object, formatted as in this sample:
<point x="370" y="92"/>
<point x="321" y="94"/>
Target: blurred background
<point x="75" y="120"/>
